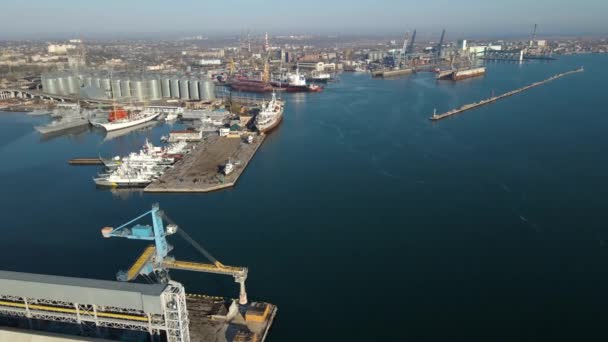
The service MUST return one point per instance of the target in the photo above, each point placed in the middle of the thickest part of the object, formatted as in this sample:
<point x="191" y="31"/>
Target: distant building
<point x="376" y="55"/>
<point x="310" y="58"/>
<point x="210" y="62"/>
<point x="541" y="43"/>
<point x="60" y="49"/>
<point x="213" y="54"/>
<point x="462" y="44"/>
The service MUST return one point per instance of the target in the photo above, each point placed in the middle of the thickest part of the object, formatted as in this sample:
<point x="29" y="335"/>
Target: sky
<point x="462" y="18"/>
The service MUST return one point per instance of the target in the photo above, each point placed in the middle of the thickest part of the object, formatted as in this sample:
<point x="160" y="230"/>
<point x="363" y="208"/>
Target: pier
<point x="392" y="73"/>
<point x="466" y="107"/>
<point x="85" y="161"/>
<point x="200" y="170"/>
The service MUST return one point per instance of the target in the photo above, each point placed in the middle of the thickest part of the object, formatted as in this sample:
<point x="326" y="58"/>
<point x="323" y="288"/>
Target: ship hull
<point x="103" y="183"/>
<point x="113" y="126"/>
<point x="251" y="86"/>
<point x="297" y="89"/>
<point x="458" y="75"/>
<point x="44" y="130"/>
<point x="270" y="128"/>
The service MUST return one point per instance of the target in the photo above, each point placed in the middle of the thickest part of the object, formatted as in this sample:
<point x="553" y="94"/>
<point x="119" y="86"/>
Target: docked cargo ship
<point x="251" y="86"/>
<point x="460" y="74"/>
<point x="270" y="116"/>
<point x="297" y="84"/>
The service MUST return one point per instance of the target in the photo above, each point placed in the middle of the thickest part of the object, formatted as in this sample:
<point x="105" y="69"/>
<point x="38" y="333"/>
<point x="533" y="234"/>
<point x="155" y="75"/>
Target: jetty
<point x="85" y="161"/>
<point x="466" y="107"/>
<point x="200" y="171"/>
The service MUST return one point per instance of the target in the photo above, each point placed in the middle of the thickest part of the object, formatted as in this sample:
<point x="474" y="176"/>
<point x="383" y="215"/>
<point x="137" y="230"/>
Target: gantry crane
<point x="155" y="259"/>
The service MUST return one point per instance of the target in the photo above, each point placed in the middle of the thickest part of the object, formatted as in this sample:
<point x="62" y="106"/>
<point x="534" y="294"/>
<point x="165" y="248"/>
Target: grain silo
<point x="125" y="88"/>
<point x="194" y="89"/>
<point x="165" y="85"/>
<point x="73" y="84"/>
<point x="153" y="88"/>
<point x="62" y="85"/>
<point x="116" y="89"/>
<point x="138" y="90"/>
<point x="207" y="90"/>
<point x="175" y="88"/>
<point x="184" y="91"/>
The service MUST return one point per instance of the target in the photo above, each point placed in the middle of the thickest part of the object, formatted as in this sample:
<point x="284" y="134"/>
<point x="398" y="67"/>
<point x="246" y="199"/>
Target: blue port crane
<point x="155" y="259"/>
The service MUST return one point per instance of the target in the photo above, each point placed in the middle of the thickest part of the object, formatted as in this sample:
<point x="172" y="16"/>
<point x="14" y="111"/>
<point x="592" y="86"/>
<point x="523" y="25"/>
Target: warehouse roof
<point x="141" y="297"/>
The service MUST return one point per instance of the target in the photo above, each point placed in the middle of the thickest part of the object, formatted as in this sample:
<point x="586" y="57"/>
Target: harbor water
<point x="360" y="218"/>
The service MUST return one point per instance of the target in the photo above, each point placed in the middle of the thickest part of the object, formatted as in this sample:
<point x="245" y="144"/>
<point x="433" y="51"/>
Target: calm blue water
<point x="361" y="219"/>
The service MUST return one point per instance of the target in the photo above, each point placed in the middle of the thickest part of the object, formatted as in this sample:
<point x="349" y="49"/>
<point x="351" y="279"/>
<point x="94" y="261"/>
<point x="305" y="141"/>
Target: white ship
<point x="270" y="116"/>
<point x="130" y="121"/>
<point x="321" y="77"/>
<point x="39" y="112"/>
<point x="125" y="176"/>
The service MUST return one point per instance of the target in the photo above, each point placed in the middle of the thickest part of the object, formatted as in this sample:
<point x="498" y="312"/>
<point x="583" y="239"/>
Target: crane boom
<point x="533" y="35"/>
<point x="155" y="257"/>
<point x="410" y="47"/>
<point x="440" y="45"/>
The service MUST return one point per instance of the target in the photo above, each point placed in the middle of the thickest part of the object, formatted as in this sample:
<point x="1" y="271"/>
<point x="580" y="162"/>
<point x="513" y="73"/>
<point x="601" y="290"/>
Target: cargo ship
<point x="251" y="86"/>
<point x="460" y="74"/>
<point x="297" y="84"/>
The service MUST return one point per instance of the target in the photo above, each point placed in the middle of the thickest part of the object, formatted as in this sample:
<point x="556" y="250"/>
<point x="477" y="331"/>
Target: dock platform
<point x="208" y="320"/>
<point x="464" y="108"/>
<point x="85" y="161"/>
<point x="199" y="171"/>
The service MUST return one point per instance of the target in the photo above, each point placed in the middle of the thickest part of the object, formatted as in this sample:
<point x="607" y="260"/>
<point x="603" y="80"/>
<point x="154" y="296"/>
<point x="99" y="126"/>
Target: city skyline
<point x="112" y="18"/>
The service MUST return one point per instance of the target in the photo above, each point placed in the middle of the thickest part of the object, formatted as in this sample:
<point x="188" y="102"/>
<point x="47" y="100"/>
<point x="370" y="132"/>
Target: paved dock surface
<point x="200" y="170"/>
<point x="208" y="321"/>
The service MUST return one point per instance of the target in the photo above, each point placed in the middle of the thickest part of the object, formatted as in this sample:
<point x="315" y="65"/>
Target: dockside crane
<point x="155" y="259"/>
<point x="410" y="47"/>
<point x="439" y="47"/>
<point x="533" y="35"/>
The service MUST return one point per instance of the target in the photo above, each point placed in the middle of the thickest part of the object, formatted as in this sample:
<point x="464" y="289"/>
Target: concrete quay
<point x="464" y="108"/>
<point x="200" y="170"/>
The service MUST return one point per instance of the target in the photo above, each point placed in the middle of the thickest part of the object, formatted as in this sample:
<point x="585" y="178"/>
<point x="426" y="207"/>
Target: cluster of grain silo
<point x="128" y="87"/>
<point x="61" y="83"/>
<point x="187" y="88"/>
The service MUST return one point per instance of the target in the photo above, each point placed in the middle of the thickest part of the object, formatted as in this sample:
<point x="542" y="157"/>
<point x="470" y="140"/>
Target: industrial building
<point x="128" y="87"/>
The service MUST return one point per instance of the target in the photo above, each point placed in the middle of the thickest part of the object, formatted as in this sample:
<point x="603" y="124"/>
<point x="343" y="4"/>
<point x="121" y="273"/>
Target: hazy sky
<point x="45" y="18"/>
